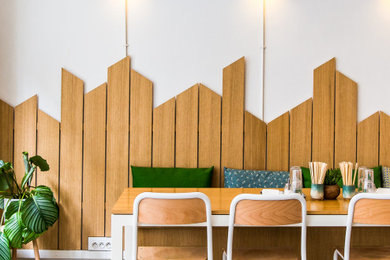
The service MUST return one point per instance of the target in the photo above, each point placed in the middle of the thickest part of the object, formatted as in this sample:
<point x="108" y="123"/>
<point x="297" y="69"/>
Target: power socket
<point x="99" y="243"/>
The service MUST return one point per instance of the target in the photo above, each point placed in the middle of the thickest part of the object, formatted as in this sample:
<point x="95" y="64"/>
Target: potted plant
<point x="331" y="187"/>
<point x="28" y="211"/>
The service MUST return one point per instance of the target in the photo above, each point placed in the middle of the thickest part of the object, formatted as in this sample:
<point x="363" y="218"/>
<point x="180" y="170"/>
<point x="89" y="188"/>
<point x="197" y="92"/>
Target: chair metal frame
<point x="350" y="224"/>
<point x="257" y="197"/>
<point x="173" y="196"/>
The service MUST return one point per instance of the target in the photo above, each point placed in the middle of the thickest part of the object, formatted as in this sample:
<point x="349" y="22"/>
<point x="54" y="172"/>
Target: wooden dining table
<point x="320" y="213"/>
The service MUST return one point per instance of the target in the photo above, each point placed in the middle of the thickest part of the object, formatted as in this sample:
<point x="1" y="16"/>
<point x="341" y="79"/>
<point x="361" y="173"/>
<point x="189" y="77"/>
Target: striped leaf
<point x="29" y="236"/>
<point x="5" y="252"/>
<point x="12" y="207"/>
<point x="13" y="230"/>
<point x="39" y="212"/>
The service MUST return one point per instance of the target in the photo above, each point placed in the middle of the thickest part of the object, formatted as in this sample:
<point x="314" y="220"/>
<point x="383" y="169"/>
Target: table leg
<point x="129" y="246"/>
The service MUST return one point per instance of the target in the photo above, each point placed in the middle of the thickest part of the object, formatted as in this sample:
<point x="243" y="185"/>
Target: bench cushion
<point x="235" y="178"/>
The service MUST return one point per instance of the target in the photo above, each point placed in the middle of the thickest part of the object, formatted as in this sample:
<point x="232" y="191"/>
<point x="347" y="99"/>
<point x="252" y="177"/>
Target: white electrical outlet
<point x="99" y="243"/>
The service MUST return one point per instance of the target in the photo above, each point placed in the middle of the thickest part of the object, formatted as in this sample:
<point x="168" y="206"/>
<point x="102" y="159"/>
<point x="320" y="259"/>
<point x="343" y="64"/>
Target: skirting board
<point x="65" y="254"/>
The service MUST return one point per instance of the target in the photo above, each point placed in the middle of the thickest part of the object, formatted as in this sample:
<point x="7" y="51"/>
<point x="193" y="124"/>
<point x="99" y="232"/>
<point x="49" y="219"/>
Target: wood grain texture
<point x="25" y="133"/>
<point x="278" y="143"/>
<point x="372" y="211"/>
<point x="48" y="146"/>
<point x="163" y="253"/>
<point x="233" y="99"/>
<point x="117" y="150"/>
<point x="6" y="132"/>
<point x="301" y="118"/>
<point x="323" y="112"/>
<point x="255" y="143"/>
<point x="266" y="254"/>
<point x="384" y="147"/>
<point x="164" y="134"/>
<point x="171" y="211"/>
<point x="94" y="166"/>
<point x="210" y="132"/>
<point x="368" y="141"/>
<point x="141" y="113"/>
<point x="268" y="213"/>
<point x="72" y="96"/>
<point x="187" y="128"/>
<point x="345" y="119"/>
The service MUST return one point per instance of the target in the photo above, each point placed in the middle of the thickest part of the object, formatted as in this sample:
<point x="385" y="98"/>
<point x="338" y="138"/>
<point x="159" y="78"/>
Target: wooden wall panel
<point x="141" y="113"/>
<point x="48" y="146"/>
<point x="345" y="119"/>
<point x="278" y="143"/>
<point x="164" y="134"/>
<point x="368" y="141"/>
<point x="187" y="128"/>
<point x="210" y="132"/>
<point x="71" y="166"/>
<point x="25" y="133"/>
<point x="255" y="143"/>
<point x="6" y="132"/>
<point x="300" y="133"/>
<point x="384" y="146"/>
<point x="117" y="150"/>
<point x="94" y="166"/>
<point x="233" y="115"/>
<point x="323" y="112"/>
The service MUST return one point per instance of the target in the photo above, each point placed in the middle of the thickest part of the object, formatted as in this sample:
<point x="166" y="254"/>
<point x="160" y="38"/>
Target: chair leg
<point x="14" y="253"/>
<point x="36" y="249"/>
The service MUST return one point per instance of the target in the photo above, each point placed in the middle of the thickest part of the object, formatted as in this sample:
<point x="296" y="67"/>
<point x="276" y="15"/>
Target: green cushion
<point x="306" y="177"/>
<point x="378" y="176"/>
<point x="147" y="177"/>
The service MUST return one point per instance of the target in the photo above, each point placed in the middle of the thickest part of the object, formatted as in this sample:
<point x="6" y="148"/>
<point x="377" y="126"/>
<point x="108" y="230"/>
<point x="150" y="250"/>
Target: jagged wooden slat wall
<point x="210" y="132"/>
<point x="116" y="126"/>
<point x="345" y="119"/>
<point x="6" y="132"/>
<point x="94" y="165"/>
<point x="368" y="141"/>
<point x="71" y="160"/>
<point x="48" y="146"/>
<point x="323" y="112"/>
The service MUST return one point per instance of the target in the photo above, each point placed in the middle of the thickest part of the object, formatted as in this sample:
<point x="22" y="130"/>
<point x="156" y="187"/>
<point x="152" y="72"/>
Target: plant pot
<point x="317" y="191"/>
<point x="331" y="192"/>
<point x="348" y="191"/>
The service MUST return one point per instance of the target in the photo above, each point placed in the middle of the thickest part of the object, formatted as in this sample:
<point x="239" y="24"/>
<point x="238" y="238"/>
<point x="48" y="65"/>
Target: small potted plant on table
<point x="28" y="210"/>
<point x="331" y="187"/>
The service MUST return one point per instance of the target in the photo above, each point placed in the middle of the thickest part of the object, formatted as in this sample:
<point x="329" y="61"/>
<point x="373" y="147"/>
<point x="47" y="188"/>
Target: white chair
<point x="172" y="209"/>
<point x="368" y="209"/>
<point x="266" y="211"/>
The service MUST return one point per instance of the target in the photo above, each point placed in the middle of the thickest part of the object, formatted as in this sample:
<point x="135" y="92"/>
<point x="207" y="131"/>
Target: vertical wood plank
<point x="233" y="115"/>
<point x="6" y="132"/>
<point x="187" y="128"/>
<point x="71" y="166"/>
<point x="368" y="141"/>
<point x="255" y="143"/>
<point x="117" y="159"/>
<point x="48" y="146"/>
<point x="300" y="133"/>
<point x="25" y="133"/>
<point x="210" y="132"/>
<point x="278" y="143"/>
<point x="384" y="147"/>
<point x="164" y="134"/>
<point x="345" y="119"/>
<point x="323" y="112"/>
<point x="141" y="112"/>
<point x="94" y="165"/>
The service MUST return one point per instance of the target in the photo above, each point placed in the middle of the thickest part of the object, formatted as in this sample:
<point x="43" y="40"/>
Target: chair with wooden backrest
<point x="172" y="209"/>
<point x="266" y="211"/>
<point x="368" y="209"/>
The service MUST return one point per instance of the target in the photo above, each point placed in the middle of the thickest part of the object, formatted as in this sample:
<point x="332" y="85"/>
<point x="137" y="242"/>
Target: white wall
<point x="41" y="36"/>
<point x="178" y="43"/>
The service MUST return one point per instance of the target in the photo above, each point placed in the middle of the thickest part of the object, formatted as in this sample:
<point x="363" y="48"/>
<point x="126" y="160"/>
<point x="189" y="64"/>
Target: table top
<point x="221" y="198"/>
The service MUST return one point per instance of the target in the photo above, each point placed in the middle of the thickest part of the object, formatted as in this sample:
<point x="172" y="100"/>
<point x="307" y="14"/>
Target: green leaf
<point x="29" y="235"/>
<point x="26" y="162"/>
<point x="5" y="166"/>
<point x="43" y="191"/>
<point x="13" y="230"/>
<point x="27" y="177"/>
<point x="5" y="252"/>
<point x="40" y="162"/>
<point x="13" y="207"/>
<point x="39" y="213"/>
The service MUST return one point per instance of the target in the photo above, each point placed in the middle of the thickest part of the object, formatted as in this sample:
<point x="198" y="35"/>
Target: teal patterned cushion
<point x="385" y="177"/>
<point x="254" y="179"/>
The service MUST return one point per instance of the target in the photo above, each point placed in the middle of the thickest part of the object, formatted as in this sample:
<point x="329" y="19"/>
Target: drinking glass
<point x="360" y="178"/>
<point x="368" y="181"/>
<point x="296" y="179"/>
